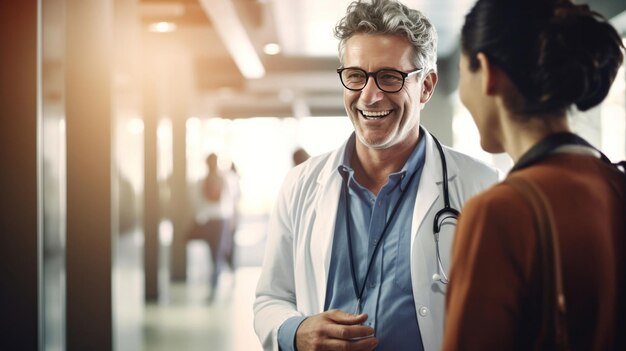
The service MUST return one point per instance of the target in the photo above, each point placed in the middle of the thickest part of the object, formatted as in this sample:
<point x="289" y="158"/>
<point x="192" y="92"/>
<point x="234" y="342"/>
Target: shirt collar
<point x="413" y="163"/>
<point x="344" y="168"/>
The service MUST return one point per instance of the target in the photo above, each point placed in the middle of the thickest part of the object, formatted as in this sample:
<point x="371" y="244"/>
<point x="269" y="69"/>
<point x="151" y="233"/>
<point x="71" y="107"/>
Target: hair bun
<point x="565" y="8"/>
<point x="556" y="53"/>
<point x="577" y="47"/>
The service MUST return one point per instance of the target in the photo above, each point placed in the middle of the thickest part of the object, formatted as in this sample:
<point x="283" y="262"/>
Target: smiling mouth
<point x="373" y="115"/>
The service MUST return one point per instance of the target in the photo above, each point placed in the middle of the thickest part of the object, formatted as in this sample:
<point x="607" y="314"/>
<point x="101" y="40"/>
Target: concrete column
<point x="181" y="214"/>
<point x="180" y="94"/>
<point x="88" y="129"/>
<point x="151" y="214"/>
<point x="19" y="238"/>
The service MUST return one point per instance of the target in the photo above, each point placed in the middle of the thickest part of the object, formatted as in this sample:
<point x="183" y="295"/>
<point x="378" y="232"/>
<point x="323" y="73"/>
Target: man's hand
<point x="335" y="330"/>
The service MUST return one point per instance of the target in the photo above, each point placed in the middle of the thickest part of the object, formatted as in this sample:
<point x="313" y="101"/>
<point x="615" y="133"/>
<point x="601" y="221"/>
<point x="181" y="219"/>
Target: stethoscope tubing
<point x="440" y="216"/>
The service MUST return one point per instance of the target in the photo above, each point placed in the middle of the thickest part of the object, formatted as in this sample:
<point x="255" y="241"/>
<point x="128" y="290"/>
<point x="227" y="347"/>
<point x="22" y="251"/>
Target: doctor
<point x="351" y="260"/>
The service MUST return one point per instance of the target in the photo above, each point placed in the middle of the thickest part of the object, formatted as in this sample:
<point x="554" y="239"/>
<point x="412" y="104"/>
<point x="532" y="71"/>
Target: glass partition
<point x="52" y="151"/>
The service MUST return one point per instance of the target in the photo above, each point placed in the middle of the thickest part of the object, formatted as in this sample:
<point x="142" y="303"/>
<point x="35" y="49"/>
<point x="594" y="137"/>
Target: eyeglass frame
<point x="374" y="74"/>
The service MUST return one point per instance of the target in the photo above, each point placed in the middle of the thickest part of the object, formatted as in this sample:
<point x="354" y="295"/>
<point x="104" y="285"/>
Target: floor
<point x="183" y="319"/>
<point x="186" y="321"/>
<point x="189" y="323"/>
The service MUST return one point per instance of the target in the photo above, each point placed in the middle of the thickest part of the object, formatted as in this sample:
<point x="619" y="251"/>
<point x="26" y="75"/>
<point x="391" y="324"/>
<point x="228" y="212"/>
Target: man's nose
<point x="371" y="92"/>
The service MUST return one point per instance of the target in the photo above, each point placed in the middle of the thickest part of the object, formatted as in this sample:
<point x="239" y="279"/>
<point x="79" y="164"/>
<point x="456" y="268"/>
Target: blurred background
<point x="109" y="110"/>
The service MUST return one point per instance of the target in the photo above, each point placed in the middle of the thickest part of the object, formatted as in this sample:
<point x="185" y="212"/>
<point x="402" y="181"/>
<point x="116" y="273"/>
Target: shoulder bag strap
<point x="554" y="327"/>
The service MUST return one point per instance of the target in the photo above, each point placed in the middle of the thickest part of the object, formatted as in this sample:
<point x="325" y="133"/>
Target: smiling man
<point x="359" y="241"/>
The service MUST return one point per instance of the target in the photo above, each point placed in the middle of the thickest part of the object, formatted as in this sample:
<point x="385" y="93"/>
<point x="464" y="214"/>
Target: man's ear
<point x="490" y="75"/>
<point x="430" y="81"/>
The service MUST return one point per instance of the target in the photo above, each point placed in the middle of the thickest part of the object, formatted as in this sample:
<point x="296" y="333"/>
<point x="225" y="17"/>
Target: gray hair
<point x="390" y="17"/>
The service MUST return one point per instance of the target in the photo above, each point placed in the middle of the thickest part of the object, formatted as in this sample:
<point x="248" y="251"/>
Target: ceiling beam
<point x="234" y="36"/>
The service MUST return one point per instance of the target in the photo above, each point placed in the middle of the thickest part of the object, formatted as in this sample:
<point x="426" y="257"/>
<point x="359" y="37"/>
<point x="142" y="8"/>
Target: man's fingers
<point x="346" y="318"/>
<point x="335" y="330"/>
<point x="366" y="344"/>
<point x="349" y="332"/>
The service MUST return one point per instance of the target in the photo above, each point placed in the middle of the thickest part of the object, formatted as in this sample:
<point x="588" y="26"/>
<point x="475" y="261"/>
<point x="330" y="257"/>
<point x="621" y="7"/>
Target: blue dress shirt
<point x="388" y="294"/>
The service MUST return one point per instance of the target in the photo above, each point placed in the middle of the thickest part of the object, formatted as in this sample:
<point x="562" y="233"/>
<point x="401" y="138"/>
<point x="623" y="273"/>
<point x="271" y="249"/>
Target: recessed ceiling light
<point x="162" y="27"/>
<point x="271" y="48"/>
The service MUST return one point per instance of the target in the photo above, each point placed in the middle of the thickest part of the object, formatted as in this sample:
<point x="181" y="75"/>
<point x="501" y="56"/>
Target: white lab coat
<point x="300" y="239"/>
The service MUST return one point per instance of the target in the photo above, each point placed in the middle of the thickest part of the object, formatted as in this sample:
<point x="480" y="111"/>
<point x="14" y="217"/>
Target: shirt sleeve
<point x="491" y="263"/>
<point x="287" y="333"/>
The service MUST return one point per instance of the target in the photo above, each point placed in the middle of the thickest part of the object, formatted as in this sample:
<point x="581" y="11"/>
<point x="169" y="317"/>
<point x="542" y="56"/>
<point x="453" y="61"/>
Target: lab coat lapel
<point x="428" y="189"/>
<point x="329" y="190"/>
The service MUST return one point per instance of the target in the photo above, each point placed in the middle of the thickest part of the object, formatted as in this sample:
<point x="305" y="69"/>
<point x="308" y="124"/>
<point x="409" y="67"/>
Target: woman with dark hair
<point x="524" y="63"/>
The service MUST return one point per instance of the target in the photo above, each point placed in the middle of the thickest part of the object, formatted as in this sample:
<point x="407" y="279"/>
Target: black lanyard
<point x="359" y="292"/>
<point x="548" y="144"/>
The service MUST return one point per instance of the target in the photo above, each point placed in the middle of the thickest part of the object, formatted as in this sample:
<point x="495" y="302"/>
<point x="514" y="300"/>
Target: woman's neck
<point x="521" y="133"/>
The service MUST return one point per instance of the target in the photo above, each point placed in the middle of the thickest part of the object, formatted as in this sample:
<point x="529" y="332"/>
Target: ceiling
<point x="223" y="44"/>
<point x="298" y="81"/>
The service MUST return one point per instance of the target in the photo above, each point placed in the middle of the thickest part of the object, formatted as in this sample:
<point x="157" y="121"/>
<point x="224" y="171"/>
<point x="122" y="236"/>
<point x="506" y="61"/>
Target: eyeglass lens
<point x="387" y="80"/>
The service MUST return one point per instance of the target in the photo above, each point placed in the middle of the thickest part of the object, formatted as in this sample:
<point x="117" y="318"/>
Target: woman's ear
<point x="489" y="74"/>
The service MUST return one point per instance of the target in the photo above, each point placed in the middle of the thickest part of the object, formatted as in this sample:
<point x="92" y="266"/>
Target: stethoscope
<point x="447" y="212"/>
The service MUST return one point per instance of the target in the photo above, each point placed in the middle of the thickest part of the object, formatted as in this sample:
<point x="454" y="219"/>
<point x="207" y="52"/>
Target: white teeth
<point x="375" y="114"/>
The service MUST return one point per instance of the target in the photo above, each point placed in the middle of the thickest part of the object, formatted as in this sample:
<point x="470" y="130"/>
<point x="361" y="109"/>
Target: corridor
<point x="183" y="319"/>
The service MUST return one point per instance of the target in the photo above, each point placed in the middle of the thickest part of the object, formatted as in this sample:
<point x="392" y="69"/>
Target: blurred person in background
<point x="299" y="155"/>
<point x="215" y="200"/>
<point x="352" y="259"/>
<point x="524" y="64"/>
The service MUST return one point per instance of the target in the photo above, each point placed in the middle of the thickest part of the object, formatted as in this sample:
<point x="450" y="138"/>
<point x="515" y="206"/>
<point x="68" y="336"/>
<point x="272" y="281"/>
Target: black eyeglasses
<point x="387" y="79"/>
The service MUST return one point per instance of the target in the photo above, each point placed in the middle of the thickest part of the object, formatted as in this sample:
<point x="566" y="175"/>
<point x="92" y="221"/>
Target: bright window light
<point x="165" y="158"/>
<point x="135" y="126"/>
<point x="613" y="119"/>
<point x="261" y="149"/>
